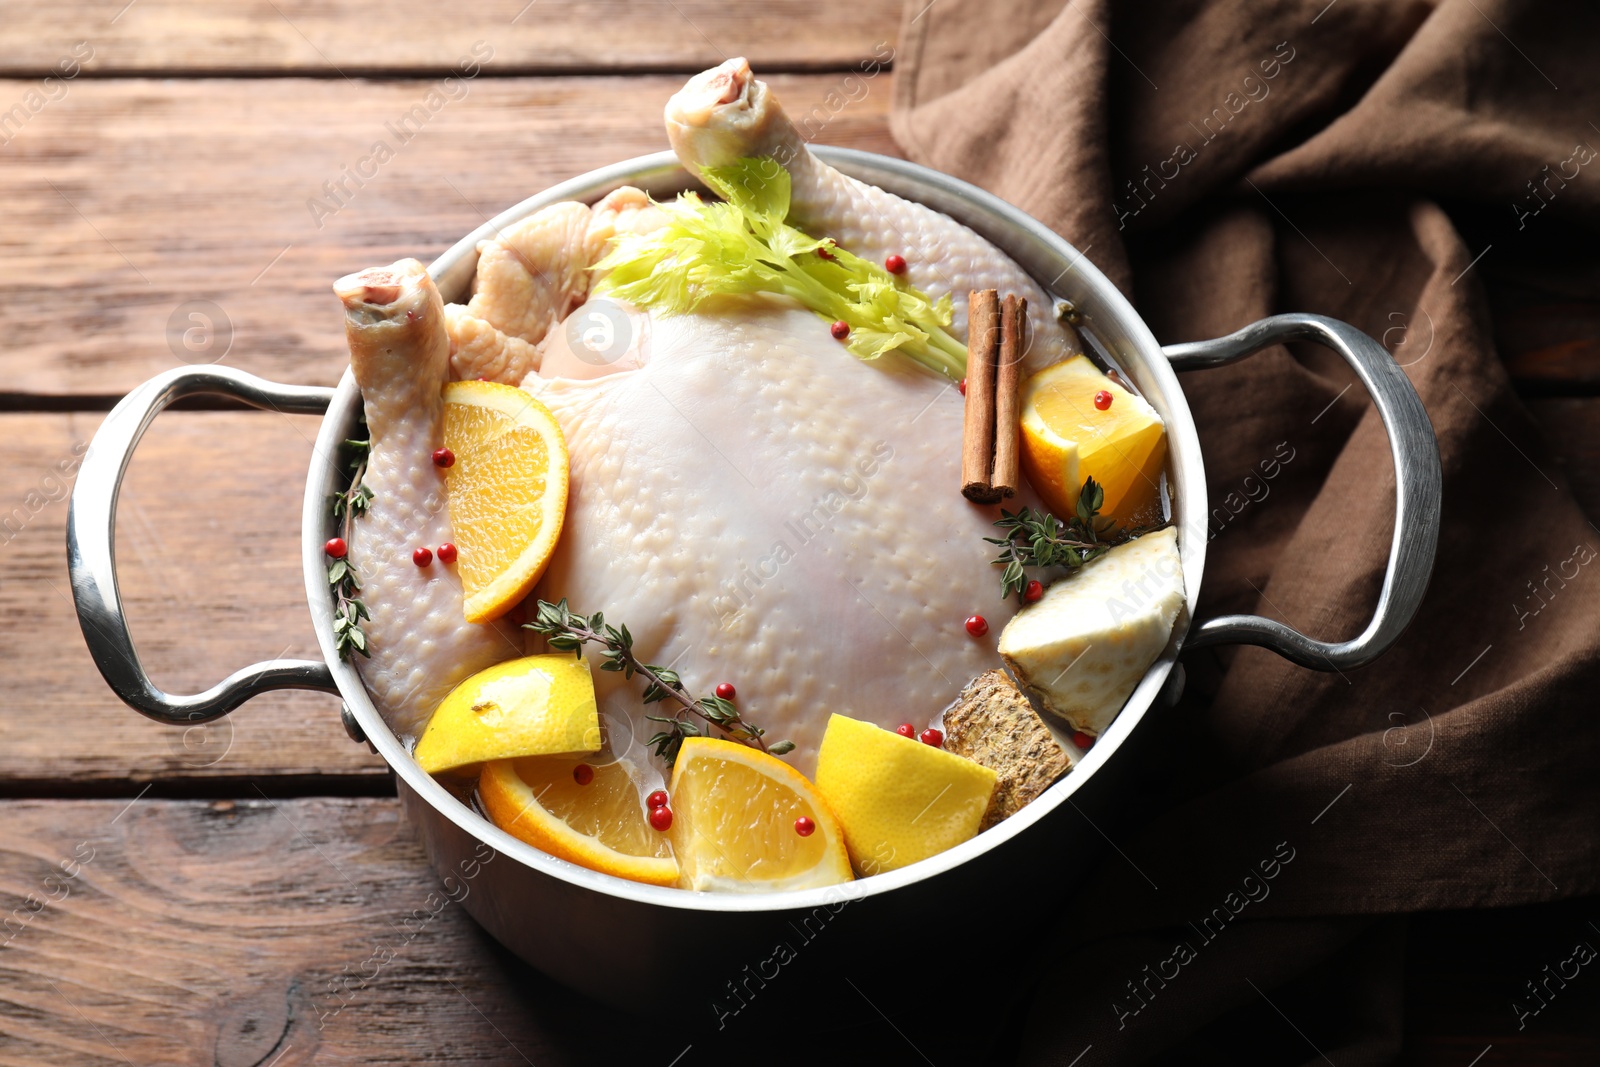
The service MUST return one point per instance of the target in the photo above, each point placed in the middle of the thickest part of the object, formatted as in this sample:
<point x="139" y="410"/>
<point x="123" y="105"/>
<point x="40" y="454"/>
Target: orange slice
<point x="734" y="827"/>
<point x="600" y="825"/>
<point x="507" y="491"/>
<point x="1066" y="438"/>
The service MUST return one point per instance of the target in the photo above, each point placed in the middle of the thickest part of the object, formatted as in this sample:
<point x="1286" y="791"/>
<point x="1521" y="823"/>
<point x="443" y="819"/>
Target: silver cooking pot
<point x="614" y="939"/>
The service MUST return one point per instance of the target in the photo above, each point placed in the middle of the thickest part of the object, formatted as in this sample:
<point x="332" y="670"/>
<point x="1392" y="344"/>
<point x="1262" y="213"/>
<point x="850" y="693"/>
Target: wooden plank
<point x="258" y="932"/>
<point x="284" y="933"/>
<point x="411" y="36"/>
<point x="208" y="531"/>
<point x="129" y="200"/>
<point x="193" y="933"/>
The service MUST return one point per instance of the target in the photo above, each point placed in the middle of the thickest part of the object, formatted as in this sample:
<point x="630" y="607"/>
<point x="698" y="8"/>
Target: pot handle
<point x="91" y="540"/>
<point x="1418" y="486"/>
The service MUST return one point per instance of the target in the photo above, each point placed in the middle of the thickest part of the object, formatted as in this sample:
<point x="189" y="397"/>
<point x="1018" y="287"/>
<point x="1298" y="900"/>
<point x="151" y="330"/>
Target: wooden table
<point x="242" y="890"/>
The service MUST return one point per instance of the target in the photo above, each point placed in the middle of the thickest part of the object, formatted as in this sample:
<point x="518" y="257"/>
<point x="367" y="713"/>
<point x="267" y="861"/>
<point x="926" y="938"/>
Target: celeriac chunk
<point x="1083" y="647"/>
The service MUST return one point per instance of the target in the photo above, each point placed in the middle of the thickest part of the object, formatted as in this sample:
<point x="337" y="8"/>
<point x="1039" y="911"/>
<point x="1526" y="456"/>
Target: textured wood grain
<point x="327" y="38"/>
<point x="128" y="199"/>
<point x="283" y="933"/>
<point x="207" y="548"/>
<point x="255" y="932"/>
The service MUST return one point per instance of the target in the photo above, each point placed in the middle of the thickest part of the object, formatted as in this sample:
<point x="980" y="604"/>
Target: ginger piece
<point x="993" y="724"/>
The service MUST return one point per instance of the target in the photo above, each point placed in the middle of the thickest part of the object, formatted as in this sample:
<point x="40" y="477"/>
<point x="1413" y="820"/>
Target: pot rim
<point x="1111" y="326"/>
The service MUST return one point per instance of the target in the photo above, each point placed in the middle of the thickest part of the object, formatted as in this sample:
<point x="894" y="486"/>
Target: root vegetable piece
<point x="1083" y="647"/>
<point x="994" y="725"/>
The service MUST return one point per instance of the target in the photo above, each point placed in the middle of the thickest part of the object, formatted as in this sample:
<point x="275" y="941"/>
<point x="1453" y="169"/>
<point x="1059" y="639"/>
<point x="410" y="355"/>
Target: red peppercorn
<point x="840" y="330"/>
<point x="583" y="774"/>
<point x="422" y="557"/>
<point x="804" y="826"/>
<point x="977" y="625"/>
<point x="905" y="729"/>
<point x="1082" y="740"/>
<point x="1102" y="400"/>
<point x="444" y="458"/>
<point x="1034" y="591"/>
<point x="447" y="553"/>
<point x="658" y="799"/>
<point x="933" y="737"/>
<point x="895" y="264"/>
<point x="336" y="547"/>
<point x="661" y="818"/>
<point x="963" y="387"/>
<point x="726" y="691"/>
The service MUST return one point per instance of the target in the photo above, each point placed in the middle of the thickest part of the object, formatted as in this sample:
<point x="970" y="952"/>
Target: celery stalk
<point x="743" y="245"/>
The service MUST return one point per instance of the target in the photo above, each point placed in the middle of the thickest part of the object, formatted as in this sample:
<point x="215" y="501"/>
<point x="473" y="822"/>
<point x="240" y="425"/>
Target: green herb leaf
<point x="1040" y="539"/>
<point x="566" y="630"/>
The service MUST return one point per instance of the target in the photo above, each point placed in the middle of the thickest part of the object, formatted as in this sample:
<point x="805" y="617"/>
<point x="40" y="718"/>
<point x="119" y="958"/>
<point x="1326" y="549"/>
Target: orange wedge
<point x="507" y="490"/>
<point x="736" y="822"/>
<point x="600" y="825"/>
<point x="1067" y="438"/>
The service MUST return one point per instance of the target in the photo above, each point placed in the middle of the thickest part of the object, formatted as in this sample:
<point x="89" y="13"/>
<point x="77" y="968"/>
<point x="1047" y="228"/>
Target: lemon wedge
<point x="507" y="491"/>
<point x="898" y="799"/>
<point x="1066" y="438"/>
<point x="737" y="822"/>
<point x="588" y="814"/>
<point x="534" y="706"/>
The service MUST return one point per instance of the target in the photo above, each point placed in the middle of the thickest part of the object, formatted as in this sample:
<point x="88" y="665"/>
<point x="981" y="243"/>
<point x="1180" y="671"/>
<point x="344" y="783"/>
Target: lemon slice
<point x="898" y="799"/>
<point x="1066" y="438"/>
<point x="507" y="491"/>
<point x="736" y="822"/>
<point x="533" y="706"/>
<point x="599" y="824"/>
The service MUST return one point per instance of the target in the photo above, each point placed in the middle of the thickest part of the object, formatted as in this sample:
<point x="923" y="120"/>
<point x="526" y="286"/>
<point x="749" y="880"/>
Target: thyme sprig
<point x="348" y="609"/>
<point x="1040" y="539"/>
<point x="354" y="500"/>
<point x="568" y="631"/>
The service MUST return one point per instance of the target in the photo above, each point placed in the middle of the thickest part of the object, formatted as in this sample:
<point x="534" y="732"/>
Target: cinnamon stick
<point x="977" y="436"/>
<point x="1007" y="417"/>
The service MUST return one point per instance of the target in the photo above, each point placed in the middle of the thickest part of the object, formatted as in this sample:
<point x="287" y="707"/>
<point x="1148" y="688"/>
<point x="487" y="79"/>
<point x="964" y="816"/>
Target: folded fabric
<point x="1377" y="162"/>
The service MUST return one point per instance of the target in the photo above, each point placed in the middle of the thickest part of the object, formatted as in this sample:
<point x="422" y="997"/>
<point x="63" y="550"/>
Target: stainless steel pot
<point x="614" y="939"/>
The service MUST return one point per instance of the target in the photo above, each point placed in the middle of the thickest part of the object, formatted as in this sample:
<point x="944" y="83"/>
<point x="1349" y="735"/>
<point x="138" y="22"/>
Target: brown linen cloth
<point x="1375" y="161"/>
